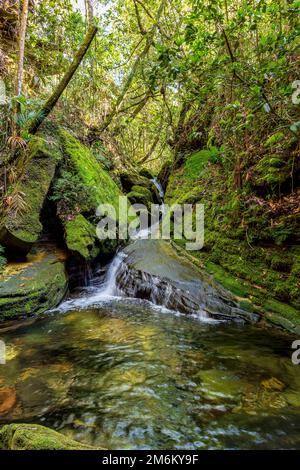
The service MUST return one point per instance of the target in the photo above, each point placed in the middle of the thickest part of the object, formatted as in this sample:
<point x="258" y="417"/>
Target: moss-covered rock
<point x="101" y="186"/>
<point x="32" y="287"/>
<point x="36" y="437"/>
<point x="140" y="195"/>
<point x="80" y="229"/>
<point x="81" y="237"/>
<point x="147" y="173"/>
<point x="133" y="178"/>
<point x="143" y="191"/>
<point x="20" y="226"/>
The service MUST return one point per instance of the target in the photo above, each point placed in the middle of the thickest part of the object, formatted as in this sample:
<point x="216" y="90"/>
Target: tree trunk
<point x="149" y="41"/>
<point x="89" y="12"/>
<point x="49" y="105"/>
<point x="20" y="61"/>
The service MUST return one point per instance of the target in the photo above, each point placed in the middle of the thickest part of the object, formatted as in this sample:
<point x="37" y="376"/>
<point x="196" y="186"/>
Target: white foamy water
<point x="100" y="294"/>
<point x="153" y="231"/>
<point x="108" y="292"/>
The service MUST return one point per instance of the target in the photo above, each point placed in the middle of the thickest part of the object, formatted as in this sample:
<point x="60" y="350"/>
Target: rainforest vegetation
<point x="98" y="97"/>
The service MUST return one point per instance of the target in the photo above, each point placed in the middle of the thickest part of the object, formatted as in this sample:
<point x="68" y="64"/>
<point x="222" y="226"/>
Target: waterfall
<point x="149" y="232"/>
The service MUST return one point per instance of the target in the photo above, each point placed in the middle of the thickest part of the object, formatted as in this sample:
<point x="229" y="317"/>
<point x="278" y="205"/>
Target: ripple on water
<point x="130" y="375"/>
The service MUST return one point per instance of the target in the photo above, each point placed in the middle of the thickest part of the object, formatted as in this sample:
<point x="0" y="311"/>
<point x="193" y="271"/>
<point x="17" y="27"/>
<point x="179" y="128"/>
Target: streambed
<point x="123" y="373"/>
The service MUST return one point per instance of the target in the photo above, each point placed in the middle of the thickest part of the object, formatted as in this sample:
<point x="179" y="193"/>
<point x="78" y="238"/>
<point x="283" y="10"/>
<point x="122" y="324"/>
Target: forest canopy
<point x="155" y="67"/>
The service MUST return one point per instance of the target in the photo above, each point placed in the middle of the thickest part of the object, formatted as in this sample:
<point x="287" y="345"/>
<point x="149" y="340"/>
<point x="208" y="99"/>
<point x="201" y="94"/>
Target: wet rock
<point x="33" y="287"/>
<point x="140" y="195"/>
<point x="134" y="182"/>
<point x="154" y="271"/>
<point x="129" y="179"/>
<point x="36" y="437"/>
<point x="8" y="400"/>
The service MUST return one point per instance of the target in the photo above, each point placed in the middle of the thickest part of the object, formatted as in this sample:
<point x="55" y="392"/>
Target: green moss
<point x="138" y="198"/>
<point x="257" y="274"/>
<point x="274" y="139"/>
<point x="196" y="162"/>
<point x="21" y="228"/>
<point x="2" y="258"/>
<point x="101" y="186"/>
<point x="234" y="285"/>
<point x="36" y="286"/>
<point x="273" y="170"/>
<point x="283" y="309"/>
<point x="145" y="192"/>
<point x="248" y="306"/>
<point x="130" y="178"/>
<point x="81" y="237"/>
<point x="80" y="229"/>
<point x="36" y="437"/>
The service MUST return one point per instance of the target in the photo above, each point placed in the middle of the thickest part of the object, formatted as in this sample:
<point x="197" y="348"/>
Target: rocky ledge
<point x="154" y="271"/>
<point x="32" y="287"/>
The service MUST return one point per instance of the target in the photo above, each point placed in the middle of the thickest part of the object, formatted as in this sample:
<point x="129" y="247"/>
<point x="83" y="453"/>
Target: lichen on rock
<point x="36" y="437"/>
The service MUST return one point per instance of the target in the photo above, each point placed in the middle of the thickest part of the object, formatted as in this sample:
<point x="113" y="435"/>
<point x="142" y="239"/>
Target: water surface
<point x="125" y="374"/>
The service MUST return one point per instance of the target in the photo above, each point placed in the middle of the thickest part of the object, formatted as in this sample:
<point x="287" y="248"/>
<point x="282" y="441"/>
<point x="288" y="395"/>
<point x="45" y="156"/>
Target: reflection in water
<point x="126" y="376"/>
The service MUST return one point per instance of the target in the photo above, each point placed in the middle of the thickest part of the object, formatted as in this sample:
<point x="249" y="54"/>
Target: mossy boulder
<point x="97" y="180"/>
<point x="81" y="237"/>
<point x="141" y="195"/>
<point x="20" y="229"/>
<point x="32" y="287"/>
<point x="80" y="229"/>
<point x="131" y="178"/>
<point x="36" y="437"/>
<point x="143" y="191"/>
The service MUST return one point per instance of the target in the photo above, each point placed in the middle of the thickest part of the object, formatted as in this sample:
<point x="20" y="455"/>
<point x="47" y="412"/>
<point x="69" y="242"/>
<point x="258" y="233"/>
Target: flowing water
<point x="123" y="373"/>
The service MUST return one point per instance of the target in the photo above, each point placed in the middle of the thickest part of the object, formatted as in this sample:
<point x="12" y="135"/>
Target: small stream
<point x="124" y="373"/>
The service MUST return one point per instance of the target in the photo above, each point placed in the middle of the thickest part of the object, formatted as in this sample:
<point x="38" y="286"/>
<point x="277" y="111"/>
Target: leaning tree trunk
<point x="149" y="41"/>
<point x="20" y="62"/>
<point x="51" y="102"/>
<point x="89" y="12"/>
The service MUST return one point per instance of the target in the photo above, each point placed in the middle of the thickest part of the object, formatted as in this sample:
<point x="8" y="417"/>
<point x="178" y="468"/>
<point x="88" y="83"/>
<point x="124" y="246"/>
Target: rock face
<point x="33" y="287"/>
<point x="19" y="230"/>
<point x="154" y="271"/>
<point x="36" y="437"/>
